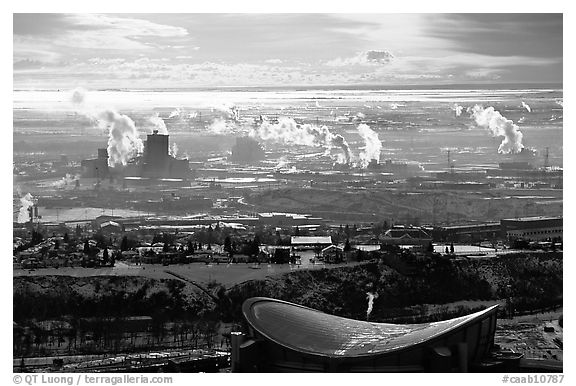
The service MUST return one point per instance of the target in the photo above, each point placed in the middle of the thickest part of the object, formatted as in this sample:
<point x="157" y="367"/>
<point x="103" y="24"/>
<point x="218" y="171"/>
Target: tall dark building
<point x="157" y="161"/>
<point x="97" y="167"/>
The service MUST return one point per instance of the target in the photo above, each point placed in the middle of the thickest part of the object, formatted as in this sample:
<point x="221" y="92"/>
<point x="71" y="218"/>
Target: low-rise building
<point x="401" y="235"/>
<point x="533" y="228"/>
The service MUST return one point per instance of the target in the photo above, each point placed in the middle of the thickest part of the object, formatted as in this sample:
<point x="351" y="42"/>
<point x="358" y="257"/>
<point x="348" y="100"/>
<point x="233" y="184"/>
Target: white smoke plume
<point x="192" y="115"/>
<point x="457" y="109"/>
<point x="78" y="96"/>
<point x="560" y="102"/>
<point x="220" y="126"/>
<point x="123" y="139"/>
<point x="372" y="145"/>
<point x="394" y="106"/>
<point x="175" y="114"/>
<point x="526" y="106"/>
<point x="370" y="297"/>
<point x="521" y="120"/>
<point x="173" y="151"/>
<point x="67" y="180"/>
<point x="159" y="124"/>
<point x="27" y="202"/>
<point x="282" y="163"/>
<point x="500" y="127"/>
<point x="227" y="107"/>
<point x="289" y="132"/>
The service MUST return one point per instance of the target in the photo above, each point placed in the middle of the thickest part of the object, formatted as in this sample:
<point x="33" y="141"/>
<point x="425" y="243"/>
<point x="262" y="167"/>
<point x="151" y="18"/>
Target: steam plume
<point x="78" y="96"/>
<point x="372" y="147"/>
<point x="526" y="106"/>
<point x="370" y="297"/>
<point x="457" y="109"/>
<point x="27" y="202"/>
<point x="175" y="113"/>
<point x="69" y="179"/>
<point x="123" y="139"/>
<point x="173" y="151"/>
<point x="220" y="126"/>
<point x="289" y="132"/>
<point x="500" y="127"/>
<point x="159" y="124"/>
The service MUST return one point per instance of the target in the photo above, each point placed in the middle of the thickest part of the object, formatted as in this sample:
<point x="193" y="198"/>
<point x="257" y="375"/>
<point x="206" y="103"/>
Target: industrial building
<point x="468" y="232"/>
<point x="532" y="228"/>
<point x="155" y="162"/>
<point x="97" y="167"/>
<point x="286" y="337"/>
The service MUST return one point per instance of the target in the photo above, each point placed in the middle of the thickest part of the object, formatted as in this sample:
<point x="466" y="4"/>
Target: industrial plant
<point x="155" y="162"/>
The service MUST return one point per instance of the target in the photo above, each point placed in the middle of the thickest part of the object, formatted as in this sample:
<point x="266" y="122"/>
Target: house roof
<point x="110" y="224"/>
<point x="332" y="247"/>
<point x="407" y="233"/>
<point x="310" y="240"/>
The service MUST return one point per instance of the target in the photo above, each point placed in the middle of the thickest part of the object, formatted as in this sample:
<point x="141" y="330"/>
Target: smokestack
<point x="500" y="127"/>
<point x="370" y="297"/>
<point x="372" y="145"/>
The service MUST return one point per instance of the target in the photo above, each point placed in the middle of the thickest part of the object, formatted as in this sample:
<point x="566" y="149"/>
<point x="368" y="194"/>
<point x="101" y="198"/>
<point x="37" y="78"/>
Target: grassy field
<point x="226" y="274"/>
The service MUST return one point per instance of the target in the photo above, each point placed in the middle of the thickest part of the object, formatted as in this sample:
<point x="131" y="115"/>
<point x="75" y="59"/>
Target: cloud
<point x="37" y="36"/>
<point x="365" y="58"/>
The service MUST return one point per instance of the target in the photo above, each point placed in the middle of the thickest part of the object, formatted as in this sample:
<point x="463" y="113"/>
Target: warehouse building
<point x="533" y="228"/>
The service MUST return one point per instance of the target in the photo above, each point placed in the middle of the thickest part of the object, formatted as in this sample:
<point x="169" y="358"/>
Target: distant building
<point x="155" y="162"/>
<point x="158" y="163"/>
<point x="468" y="232"/>
<point x="286" y="337"/>
<point x="400" y="235"/>
<point x="533" y="228"/>
<point x="333" y="254"/>
<point x="305" y="242"/>
<point x="110" y="227"/>
<point x="96" y="168"/>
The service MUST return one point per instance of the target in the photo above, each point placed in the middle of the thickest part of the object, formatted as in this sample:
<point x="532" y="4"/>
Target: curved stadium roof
<point x="313" y="332"/>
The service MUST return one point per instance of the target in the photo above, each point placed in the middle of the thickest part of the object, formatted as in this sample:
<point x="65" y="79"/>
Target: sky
<point x="163" y="50"/>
